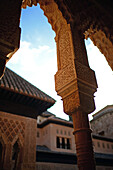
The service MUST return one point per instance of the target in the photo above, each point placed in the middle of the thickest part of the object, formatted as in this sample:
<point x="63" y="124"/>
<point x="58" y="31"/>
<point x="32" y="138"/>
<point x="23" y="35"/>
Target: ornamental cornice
<point x="29" y="3"/>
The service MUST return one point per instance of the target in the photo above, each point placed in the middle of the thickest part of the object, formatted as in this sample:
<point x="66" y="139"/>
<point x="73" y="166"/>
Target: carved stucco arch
<point x="94" y="21"/>
<point x="60" y="27"/>
<point x="103" y="42"/>
<point x="19" y="140"/>
<point x="19" y="159"/>
<point x="3" y="138"/>
<point x="92" y="27"/>
<point x="51" y="11"/>
<point x="72" y="85"/>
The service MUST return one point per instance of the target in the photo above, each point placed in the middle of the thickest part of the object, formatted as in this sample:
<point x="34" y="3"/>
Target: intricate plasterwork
<point x="53" y="14"/>
<point x="103" y="43"/>
<point x="12" y="129"/>
<point x="65" y="76"/>
<point x="65" y="46"/>
<point x="76" y="85"/>
<point x="85" y="74"/>
<point x="71" y="103"/>
<point x="29" y="3"/>
<point x="51" y="11"/>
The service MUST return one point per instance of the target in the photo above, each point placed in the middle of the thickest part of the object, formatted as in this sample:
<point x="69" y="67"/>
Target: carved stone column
<point x="9" y="30"/>
<point x="75" y="82"/>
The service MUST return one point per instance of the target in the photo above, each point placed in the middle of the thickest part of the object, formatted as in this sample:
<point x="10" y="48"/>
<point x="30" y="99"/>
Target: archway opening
<point x="15" y="155"/>
<point x="36" y="60"/>
<point x="104" y="76"/>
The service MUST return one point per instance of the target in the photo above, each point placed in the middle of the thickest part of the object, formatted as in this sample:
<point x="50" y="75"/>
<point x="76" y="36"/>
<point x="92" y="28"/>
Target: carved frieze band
<point x="75" y="72"/>
<point x="78" y="100"/>
<point x="85" y="74"/>
<point x="65" y="76"/>
<point x="65" y="46"/>
<point x="76" y="85"/>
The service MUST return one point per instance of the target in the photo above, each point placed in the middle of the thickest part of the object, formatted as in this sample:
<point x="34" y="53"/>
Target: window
<point x="101" y="133"/>
<point x="69" y="133"/>
<point x="98" y="144"/>
<point x="64" y="132"/>
<point x="15" y="151"/>
<point x="61" y="132"/>
<point x="58" y="142"/>
<point x="112" y="146"/>
<point x="38" y="135"/>
<point x="108" y="145"/>
<point x="103" y="145"/>
<point x="63" y="143"/>
<point x="68" y="144"/>
<point x="57" y="131"/>
<point x="15" y="155"/>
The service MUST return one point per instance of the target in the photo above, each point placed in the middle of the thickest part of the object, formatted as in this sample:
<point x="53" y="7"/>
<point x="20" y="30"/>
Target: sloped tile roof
<point x="13" y="82"/>
<point x="47" y="114"/>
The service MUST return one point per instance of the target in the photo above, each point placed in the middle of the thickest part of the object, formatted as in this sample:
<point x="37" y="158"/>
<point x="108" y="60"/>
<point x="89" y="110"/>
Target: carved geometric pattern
<point x="85" y="74"/>
<point x="29" y="3"/>
<point x="65" y="76"/>
<point x="10" y="128"/>
<point x="65" y="47"/>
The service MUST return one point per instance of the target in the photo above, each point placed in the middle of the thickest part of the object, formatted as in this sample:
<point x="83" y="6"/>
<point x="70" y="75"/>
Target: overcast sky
<point x="36" y="60"/>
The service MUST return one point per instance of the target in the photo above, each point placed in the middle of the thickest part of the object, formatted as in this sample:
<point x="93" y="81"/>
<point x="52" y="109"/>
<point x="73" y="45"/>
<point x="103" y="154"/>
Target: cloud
<point x="38" y="66"/>
<point x="104" y="75"/>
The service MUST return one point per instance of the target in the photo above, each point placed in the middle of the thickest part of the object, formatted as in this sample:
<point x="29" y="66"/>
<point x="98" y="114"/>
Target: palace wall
<point x="22" y="130"/>
<point x="103" y="125"/>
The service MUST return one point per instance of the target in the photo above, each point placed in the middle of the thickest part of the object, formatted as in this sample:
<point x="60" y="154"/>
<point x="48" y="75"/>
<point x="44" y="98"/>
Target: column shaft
<point x="75" y="82"/>
<point x="83" y="141"/>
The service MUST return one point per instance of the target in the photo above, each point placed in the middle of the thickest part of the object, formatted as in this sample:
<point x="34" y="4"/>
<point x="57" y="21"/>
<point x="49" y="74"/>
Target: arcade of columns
<point x="75" y="82"/>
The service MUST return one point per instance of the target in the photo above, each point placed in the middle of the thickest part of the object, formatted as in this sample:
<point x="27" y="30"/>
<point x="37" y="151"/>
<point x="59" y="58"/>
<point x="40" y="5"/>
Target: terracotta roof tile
<point x="14" y="82"/>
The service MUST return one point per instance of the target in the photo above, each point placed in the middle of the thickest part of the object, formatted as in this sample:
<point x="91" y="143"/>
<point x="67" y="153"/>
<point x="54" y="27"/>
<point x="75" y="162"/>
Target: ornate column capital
<point x="76" y="84"/>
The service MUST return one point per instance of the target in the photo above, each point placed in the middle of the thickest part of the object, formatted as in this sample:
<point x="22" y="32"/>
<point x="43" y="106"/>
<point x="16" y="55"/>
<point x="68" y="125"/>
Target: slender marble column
<point x="75" y="82"/>
<point x="83" y="141"/>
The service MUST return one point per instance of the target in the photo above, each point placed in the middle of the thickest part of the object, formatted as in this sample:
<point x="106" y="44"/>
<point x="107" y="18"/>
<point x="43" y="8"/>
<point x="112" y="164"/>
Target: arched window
<point x="15" y="154"/>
